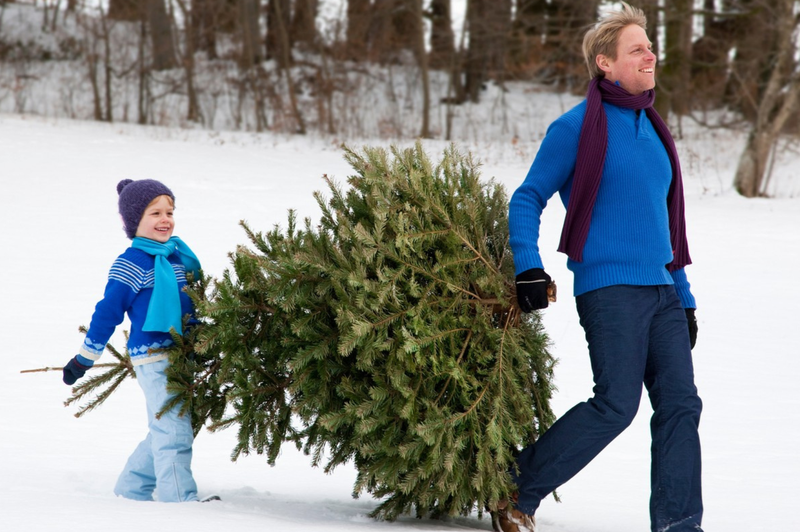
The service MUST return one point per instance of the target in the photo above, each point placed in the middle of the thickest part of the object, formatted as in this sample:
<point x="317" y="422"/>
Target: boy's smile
<point x="157" y="221"/>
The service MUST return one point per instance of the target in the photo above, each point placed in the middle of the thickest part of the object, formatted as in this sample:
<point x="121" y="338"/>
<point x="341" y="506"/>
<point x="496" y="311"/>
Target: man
<point x="613" y="162"/>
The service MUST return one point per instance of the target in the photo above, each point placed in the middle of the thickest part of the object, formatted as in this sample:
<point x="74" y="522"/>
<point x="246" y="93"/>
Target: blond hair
<point x="602" y="38"/>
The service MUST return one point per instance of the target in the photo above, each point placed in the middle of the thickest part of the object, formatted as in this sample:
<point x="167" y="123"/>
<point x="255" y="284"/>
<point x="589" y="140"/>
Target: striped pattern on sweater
<point x="128" y="291"/>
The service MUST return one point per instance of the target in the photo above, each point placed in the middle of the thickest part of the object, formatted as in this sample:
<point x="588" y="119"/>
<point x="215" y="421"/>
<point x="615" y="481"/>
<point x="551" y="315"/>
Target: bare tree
<point x="710" y="52"/>
<point x="304" y="29"/>
<point x="779" y="101"/>
<point x="568" y="21"/>
<point x="675" y="76"/>
<point x="281" y="21"/>
<point x="97" y="48"/>
<point x="651" y="11"/>
<point x="193" y="108"/>
<point x="279" y="44"/>
<point x="129" y="10"/>
<point x="546" y="38"/>
<point x="160" y="25"/>
<point x="526" y="39"/>
<point x="249" y="34"/>
<point x="757" y="44"/>
<point x="421" y="54"/>
<point x="203" y="24"/>
<point x="442" y="37"/>
<point x="489" y="24"/>
<point x="392" y="30"/>
<point x="358" y="23"/>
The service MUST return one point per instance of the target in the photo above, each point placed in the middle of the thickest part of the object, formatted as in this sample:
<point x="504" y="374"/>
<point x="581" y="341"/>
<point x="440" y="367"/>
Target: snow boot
<point x="512" y="520"/>
<point x="509" y="519"/>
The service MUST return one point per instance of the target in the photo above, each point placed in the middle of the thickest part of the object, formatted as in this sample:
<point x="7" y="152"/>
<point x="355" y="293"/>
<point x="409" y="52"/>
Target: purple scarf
<point x="589" y="169"/>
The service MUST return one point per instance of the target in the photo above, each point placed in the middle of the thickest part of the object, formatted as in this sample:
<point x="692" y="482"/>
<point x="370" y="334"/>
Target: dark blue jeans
<point x="636" y="335"/>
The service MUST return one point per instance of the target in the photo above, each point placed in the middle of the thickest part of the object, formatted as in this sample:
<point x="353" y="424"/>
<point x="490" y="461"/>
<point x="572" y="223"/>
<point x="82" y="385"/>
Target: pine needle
<point x="98" y="388"/>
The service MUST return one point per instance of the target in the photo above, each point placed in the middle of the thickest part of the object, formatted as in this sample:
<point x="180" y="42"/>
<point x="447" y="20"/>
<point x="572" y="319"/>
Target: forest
<point x="321" y="66"/>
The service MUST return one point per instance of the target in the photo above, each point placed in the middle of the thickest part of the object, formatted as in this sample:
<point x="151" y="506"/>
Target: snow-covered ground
<point x="60" y="232"/>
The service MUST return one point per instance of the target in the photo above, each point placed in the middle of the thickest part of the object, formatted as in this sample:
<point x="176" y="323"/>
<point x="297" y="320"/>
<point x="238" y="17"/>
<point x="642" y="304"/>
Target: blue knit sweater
<point x="628" y="241"/>
<point x="129" y="288"/>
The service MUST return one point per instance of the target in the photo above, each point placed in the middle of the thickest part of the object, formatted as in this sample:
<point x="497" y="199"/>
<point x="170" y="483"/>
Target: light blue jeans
<point x="637" y="335"/>
<point x="161" y="463"/>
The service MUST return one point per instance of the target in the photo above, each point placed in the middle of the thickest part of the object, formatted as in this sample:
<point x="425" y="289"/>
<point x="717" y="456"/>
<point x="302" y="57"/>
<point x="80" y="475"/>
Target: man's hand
<point x="532" y="289"/>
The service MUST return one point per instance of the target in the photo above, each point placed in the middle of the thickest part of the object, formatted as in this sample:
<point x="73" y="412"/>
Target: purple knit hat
<point x="134" y="197"/>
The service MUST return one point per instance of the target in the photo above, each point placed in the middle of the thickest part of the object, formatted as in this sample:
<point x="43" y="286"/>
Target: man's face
<point x="635" y="65"/>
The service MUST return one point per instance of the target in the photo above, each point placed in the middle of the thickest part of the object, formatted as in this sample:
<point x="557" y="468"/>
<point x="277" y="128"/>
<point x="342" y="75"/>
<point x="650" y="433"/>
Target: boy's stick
<point x="39" y="370"/>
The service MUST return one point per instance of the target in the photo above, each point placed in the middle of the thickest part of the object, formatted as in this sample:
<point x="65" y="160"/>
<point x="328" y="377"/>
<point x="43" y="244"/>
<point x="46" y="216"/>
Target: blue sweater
<point x="628" y="241"/>
<point x="129" y="288"/>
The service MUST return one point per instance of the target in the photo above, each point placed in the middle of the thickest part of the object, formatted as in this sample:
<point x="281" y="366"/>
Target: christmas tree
<point x="386" y="334"/>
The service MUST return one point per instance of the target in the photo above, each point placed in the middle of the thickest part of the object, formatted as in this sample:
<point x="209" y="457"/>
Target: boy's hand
<point x="532" y="289"/>
<point x="73" y="371"/>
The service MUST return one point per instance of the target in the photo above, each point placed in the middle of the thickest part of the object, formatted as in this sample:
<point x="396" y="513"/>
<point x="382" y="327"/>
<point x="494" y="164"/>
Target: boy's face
<point x="157" y="222"/>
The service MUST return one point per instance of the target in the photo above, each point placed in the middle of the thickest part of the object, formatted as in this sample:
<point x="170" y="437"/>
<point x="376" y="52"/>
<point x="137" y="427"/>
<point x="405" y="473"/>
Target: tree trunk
<point x="651" y="10"/>
<point x="752" y="165"/>
<point x="442" y="37"/>
<point x="128" y="10"/>
<point x="415" y="9"/>
<point x="204" y="24"/>
<point x="525" y="41"/>
<point x="489" y="24"/>
<point x="193" y="108"/>
<point x="710" y="65"/>
<point x="392" y="30"/>
<point x="358" y="22"/>
<point x="779" y="102"/>
<point x="163" y="49"/>
<point x="304" y="29"/>
<point x="675" y="76"/>
<point x="567" y="23"/>
<point x="380" y="34"/>
<point x="755" y="49"/>
<point x="285" y="62"/>
<point x="249" y="33"/>
<point x="278" y="20"/>
<point x="143" y="103"/>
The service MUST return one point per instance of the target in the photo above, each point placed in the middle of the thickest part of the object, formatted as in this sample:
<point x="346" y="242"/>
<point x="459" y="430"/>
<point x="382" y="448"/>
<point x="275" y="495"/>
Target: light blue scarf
<point x="164" y="311"/>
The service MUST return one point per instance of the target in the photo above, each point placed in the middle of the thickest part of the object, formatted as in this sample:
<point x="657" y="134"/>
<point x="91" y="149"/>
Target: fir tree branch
<point x="478" y="255"/>
<point x="61" y="368"/>
<point x="111" y="378"/>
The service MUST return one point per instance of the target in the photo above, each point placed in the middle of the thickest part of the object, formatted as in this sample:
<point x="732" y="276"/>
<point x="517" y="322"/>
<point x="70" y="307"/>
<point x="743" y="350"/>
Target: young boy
<point x="146" y="281"/>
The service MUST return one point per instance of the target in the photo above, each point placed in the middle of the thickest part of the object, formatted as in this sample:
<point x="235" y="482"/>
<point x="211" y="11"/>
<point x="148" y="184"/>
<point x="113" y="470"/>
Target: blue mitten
<point x="74" y="370"/>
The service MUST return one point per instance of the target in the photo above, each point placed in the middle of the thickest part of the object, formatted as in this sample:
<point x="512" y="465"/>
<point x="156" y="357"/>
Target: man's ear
<point x="602" y="63"/>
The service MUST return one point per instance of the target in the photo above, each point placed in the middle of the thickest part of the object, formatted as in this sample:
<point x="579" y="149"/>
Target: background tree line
<point x="737" y="56"/>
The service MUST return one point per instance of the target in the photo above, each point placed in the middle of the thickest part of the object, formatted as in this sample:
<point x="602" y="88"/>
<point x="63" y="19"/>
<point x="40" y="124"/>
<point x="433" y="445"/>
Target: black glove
<point x="692" y="326"/>
<point x="73" y="371"/>
<point x="532" y="289"/>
